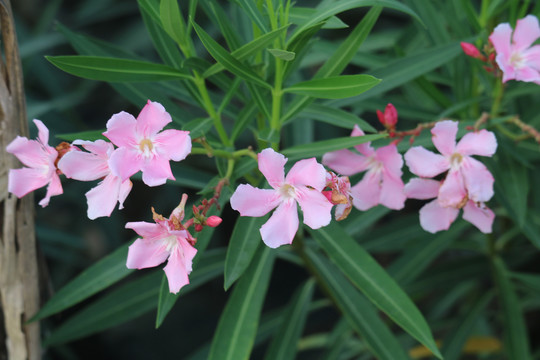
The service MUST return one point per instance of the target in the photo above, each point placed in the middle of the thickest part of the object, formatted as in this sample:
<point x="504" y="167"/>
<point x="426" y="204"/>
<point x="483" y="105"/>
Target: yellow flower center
<point x="146" y="145"/>
<point x="287" y="191"/>
<point x="456" y="159"/>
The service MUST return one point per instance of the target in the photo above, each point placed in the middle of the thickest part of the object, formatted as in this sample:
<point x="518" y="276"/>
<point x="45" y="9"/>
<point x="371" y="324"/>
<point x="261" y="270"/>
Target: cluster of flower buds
<point x="487" y="56"/>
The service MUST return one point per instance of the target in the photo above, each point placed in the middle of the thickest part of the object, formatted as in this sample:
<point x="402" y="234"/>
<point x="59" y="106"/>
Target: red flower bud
<point x="471" y="50"/>
<point x="389" y="118"/>
<point x="213" y="221"/>
<point x="198" y="227"/>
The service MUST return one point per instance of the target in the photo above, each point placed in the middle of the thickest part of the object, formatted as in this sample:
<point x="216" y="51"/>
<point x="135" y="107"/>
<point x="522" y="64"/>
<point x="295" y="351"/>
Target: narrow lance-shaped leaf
<point x="336" y="117"/>
<point x="366" y="274"/>
<point x="250" y="7"/>
<point x="115" y="70"/>
<point x="237" y="327"/>
<point x="336" y="87"/>
<point x="172" y="20"/>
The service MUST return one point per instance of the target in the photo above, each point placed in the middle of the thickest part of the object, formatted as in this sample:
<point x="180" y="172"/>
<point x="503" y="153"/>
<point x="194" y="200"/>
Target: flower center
<point x="287" y="191"/>
<point x="516" y="60"/>
<point x="146" y="146"/>
<point x="455" y="160"/>
<point x="170" y="243"/>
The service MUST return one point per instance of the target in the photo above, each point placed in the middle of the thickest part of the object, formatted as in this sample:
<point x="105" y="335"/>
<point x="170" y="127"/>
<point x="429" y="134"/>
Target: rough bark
<point x="19" y="291"/>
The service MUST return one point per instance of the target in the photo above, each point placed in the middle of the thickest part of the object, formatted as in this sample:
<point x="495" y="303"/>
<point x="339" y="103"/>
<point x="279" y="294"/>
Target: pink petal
<point x="444" y="136"/>
<point x="422" y="189"/>
<point x="83" y="166"/>
<point x="435" y="218"/>
<point x="392" y="193"/>
<point x="366" y="193"/>
<point x="481" y="143"/>
<point x="125" y="162"/>
<point x="173" y="144"/>
<point x="365" y="148"/>
<point x="452" y="191"/>
<point x="121" y="130"/>
<point x="144" y="254"/>
<point x="147" y="230"/>
<point x="54" y="188"/>
<point x="22" y="181"/>
<point x="531" y="57"/>
<point x="102" y="199"/>
<point x="152" y="119"/>
<point x="282" y="225"/>
<point x="315" y="207"/>
<point x="345" y="162"/>
<point x="251" y="201"/>
<point x="179" y="266"/>
<point x="31" y="153"/>
<point x="307" y="172"/>
<point x="99" y="147"/>
<point x="125" y="189"/>
<point x="527" y="74"/>
<point x="500" y="38"/>
<point x="481" y="217"/>
<point x="272" y="166"/>
<point x="478" y="180"/>
<point x="425" y="163"/>
<point x="526" y="32"/>
<point x="391" y="160"/>
<point x="156" y="171"/>
<point x="43" y="132"/>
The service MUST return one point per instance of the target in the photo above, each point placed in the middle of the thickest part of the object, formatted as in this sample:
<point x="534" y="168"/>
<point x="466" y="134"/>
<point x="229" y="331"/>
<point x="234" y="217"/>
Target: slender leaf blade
<point x="336" y="87"/>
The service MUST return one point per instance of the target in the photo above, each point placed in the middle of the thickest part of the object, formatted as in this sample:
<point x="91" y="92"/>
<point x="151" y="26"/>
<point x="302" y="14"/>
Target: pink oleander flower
<point x="40" y="159"/>
<point x="466" y="175"/>
<point x="163" y="240"/>
<point x="93" y="165"/>
<point x="339" y="194"/>
<point x="515" y="56"/>
<point x="303" y="184"/>
<point x="382" y="182"/>
<point x="143" y="146"/>
<point x="434" y="217"/>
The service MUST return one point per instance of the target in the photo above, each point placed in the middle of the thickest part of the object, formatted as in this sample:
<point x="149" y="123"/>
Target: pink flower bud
<point x="213" y="221"/>
<point x="389" y="118"/>
<point x="471" y="50"/>
<point x="198" y="227"/>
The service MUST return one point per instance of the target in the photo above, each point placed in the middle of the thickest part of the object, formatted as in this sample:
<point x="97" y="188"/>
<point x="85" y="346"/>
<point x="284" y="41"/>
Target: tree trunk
<point x="19" y="291"/>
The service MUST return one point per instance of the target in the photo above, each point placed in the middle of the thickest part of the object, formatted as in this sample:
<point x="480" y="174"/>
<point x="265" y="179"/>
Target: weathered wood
<point x="19" y="291"/>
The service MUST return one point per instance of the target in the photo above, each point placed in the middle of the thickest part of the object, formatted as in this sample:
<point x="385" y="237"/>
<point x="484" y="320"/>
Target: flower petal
<point x="179" y="265"/>
<point x="252" y="201"/>
<point x="22" y="181"/>
<point x="282" y="225"/>
<point x="102" y="199"/>
<point x="125" y="162"/>
<point x="444" y="136"/>
<point x="144" y="254"/>
<point x="366" y="193"/>
<point x="526" y="32"/>
<point x="392" y="195"/>
<point x="307" y="172"/>
<point x="152" y="119"/>
<point x="452" y="191"/>
<point x="345" y="162"/>
<point x="425" y="163"/>
<point x="391" y="160"/>
<point x="173" y="144"/>
<point x="422" y="189"/>
<point x="99" y="147"/>
<point x="478" y="180"/>
<point x="481" y="143"/>
<point x="83" y="166"/>
<point x="156" y="171"/>
<point x="435" y="218"/>
<point x="481" y="217"/>
<point x="147" y="230"/>
<point x="43" y="132"/>
<point x="121" y="130"/>
<point x="315" y="207"/>
<point x="500" y="38"/>
<point x="125" y="189"/>
<point x="272" y="166"/>
<point x="54" y="188"/>
<point x="31" y="153"/>
<point x="365" y="148"/>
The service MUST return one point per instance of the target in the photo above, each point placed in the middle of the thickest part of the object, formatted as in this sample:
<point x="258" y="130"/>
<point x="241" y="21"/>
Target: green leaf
<point x="209" y="267"/>
<point x="90" y="135"/>
<point x="97" y="277"/>
<point x="282" y="54"/>
<point x="336" y="87"/>
<point x="237" y="327"/>
<point x="270" y="135"/>
<point x="516" y="337"/>
<point x="284" y="344"/>
<point x="320" y="147"/>
<point x="246" y="116"/>
<point x="336" y="117"/>
<point x="357" y="310"/>
<point x="244" y="242"/>
<point x="172" y="20"/>
<point x="250" y="7"/>
<point x="228" y="61"/>
<point x="249" y="49"/>
<point x="115" y="70"/>
<point x="125" y="303"/>
<point x="198" y="127"/>
<point x="366" y="274"/>
<point x="300" y="15"/>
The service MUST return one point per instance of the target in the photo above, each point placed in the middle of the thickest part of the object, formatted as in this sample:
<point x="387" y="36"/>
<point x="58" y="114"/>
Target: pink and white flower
<point x="161" y="241"/>
<point x="303" y="185"/>
<point x="382" y="182"/>
<point x="93" y="165"/>
<point x="434" y="217"/>
<point x="515" y="56"/>
<point x="143" y="146"/>
<point x="40" y="159"/>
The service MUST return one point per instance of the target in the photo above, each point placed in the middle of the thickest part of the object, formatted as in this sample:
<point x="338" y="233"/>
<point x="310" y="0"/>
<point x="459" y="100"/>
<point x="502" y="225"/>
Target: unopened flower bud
<point x="213" y="221"/>
<point x="178" y="212"/>
<point x="471" y="50"/>
<point x="389" y="118"/>
<point x="198" y="227"/>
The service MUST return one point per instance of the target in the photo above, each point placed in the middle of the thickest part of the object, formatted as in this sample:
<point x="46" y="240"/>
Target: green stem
<point x="223" y="153"/>
<point x="209" y="106"/>
<point x="497" y="99"/>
